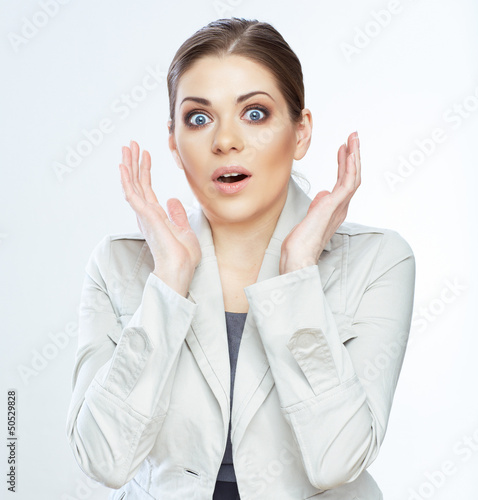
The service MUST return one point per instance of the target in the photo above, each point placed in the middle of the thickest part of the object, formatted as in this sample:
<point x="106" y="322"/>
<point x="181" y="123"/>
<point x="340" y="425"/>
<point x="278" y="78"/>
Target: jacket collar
<point x="293" y="212"/>
<point x="207" y="337"/>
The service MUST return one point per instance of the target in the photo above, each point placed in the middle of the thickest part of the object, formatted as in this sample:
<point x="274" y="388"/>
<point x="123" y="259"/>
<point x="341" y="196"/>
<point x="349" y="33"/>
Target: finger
<point x="134" y="159"/>
<point x="177" y="213"/>
<point x="130" y="194"/>
<point x="127" y="162"/>
<point x="354" y="146"/>
<point x="341" y="160"/>
<point x="317" y="198"/>
<point x="135" y="166"/>
<point x="351" y="142"/>
<point x="345" y="187"/>
<point x="145" y="177"/>
<point x="358" y="162"/>
<point x="138" y="204"/>
<point x="126" y="157"/>
<point x="343" y="172"/>
<point x="349" y="184"/>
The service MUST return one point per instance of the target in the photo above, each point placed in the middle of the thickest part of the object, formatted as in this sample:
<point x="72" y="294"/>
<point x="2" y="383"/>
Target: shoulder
<point x="120" y="264"/>
<point x="383" y="238"/>
<point x="126" y="242"/>
<point x="374" y="247"/>
<point x="117" y="247"/>
<point x="119" y="242"/>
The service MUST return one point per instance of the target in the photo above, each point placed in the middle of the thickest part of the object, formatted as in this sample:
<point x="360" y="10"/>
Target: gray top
<point x="235" y="326"/>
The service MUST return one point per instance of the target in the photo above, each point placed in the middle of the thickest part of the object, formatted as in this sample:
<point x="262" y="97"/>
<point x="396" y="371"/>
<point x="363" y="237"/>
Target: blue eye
<point x="255" y="114"/>
<point x="197" y="119"/>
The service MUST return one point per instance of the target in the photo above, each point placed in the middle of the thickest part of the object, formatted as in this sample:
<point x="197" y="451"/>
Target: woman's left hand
<point x="304" y="244"/>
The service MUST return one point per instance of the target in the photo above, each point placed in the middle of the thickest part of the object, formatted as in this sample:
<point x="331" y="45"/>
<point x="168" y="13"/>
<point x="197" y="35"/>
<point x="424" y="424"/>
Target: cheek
<point x="190" y="152"/>
<point x="275" y="146"/>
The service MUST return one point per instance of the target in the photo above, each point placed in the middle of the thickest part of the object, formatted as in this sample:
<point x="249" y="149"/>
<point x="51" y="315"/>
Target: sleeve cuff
<point x="299" y="334"/>
<point x="270" y="297"/>
<point x="144" y="361"/>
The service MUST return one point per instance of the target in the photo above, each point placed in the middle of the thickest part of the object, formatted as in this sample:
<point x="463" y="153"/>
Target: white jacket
<point x="318" y="364"/>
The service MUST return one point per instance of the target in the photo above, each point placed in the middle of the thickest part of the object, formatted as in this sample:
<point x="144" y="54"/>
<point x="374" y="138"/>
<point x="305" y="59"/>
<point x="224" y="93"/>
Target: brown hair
<point x="258" y="41"/>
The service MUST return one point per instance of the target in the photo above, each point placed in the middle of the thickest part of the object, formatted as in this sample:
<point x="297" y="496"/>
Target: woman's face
<point x="230" y="112"/>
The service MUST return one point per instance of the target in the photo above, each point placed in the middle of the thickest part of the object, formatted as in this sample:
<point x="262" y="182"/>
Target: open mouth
<point x="231" y="178"/>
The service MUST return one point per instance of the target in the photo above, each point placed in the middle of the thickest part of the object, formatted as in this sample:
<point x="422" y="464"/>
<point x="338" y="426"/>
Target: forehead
<point x="213" y="76"/>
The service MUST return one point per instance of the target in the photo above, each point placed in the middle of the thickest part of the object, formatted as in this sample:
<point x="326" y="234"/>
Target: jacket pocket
<point x="191" y="472"/>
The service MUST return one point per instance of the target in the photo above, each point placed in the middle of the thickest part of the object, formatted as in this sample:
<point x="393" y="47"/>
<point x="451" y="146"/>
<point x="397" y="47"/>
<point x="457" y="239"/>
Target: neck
<point x="241" y="245"/>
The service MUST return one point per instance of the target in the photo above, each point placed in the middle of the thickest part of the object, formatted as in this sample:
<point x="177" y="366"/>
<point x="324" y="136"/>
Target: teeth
<point x="229" y="175"/>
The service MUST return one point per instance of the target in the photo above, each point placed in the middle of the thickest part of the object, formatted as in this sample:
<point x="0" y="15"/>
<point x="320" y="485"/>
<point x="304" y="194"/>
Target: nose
<point x="227" y="136"/>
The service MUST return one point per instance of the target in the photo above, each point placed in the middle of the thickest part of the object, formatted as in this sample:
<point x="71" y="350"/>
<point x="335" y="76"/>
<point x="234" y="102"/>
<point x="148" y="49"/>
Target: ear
<point x="303" y="134"/>
<point x="173" y="147"/>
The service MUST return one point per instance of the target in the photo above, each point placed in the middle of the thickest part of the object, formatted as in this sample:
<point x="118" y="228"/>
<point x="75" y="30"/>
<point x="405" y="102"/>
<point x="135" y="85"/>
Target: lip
<point x="229" y="170"/>
<point x="233" y="187"/>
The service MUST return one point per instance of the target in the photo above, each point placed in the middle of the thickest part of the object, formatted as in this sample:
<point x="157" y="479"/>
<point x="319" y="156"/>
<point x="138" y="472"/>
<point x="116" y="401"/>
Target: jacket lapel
<point x="207" y="337"/>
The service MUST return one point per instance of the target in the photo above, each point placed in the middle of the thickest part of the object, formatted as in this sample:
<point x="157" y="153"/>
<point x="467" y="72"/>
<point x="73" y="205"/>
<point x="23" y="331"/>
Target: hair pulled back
<point x="255" y="40"/>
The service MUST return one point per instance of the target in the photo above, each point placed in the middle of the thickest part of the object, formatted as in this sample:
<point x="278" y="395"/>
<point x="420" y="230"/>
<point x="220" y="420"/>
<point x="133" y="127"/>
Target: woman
<point x="170" y="402"/>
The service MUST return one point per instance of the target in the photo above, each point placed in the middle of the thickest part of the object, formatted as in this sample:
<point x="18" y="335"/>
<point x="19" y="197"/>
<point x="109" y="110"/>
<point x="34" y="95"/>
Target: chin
<point x="230" y="210"/>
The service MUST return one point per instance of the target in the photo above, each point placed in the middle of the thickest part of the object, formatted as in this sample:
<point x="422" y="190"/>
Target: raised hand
<point x="304" y="244"/>
<point x="172" y="242"/>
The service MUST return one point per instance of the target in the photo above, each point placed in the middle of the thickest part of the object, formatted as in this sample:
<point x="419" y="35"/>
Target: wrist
<point x="289" y="265"/>
<point x="178" y="279"/>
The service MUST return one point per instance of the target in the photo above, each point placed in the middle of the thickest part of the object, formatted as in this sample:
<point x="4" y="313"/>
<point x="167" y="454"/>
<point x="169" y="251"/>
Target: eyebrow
<point x="241" y="98"/>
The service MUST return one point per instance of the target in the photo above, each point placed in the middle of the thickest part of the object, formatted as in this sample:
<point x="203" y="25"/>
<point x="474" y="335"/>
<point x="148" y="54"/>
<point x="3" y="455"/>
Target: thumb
<point x="177" y="214"/>
<point x="317" y="198"/>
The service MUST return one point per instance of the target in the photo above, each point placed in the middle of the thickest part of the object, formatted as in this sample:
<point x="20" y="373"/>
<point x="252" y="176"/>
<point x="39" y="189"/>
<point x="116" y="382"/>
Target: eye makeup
<point x="265" y="111"/>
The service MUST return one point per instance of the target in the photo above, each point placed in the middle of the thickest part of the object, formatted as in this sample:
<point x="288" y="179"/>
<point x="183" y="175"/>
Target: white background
<point x="412" y="77"/>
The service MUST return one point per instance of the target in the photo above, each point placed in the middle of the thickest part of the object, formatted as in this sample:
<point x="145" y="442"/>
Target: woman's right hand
<point x="173" y="244"/>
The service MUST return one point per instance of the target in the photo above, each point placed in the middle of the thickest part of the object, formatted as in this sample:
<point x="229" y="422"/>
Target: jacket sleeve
<point x="337" y="398"/>
<point x="121" y="391"/>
